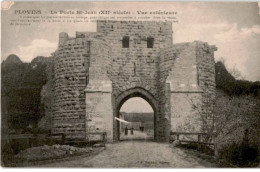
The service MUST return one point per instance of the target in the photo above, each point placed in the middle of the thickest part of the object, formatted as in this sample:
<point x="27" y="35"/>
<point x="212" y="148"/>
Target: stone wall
<point x="190" y="72"/>
<point x="178" y="68"/>
<point x="70" y="71"/>
<point x="206" y="81"/>
<point x="80" y="71"/>
<point x="136" y="66"/>
<point x="99" y="114"/>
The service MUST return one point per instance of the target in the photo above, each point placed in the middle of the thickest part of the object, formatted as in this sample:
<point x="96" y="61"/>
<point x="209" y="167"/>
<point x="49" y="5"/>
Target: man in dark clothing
<point x="126" y="130"/>
<point x="132" y="131"/>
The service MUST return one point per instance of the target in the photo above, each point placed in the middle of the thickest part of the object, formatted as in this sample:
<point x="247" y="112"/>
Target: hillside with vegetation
<point x="232" y="87"/>
<point x="237" y="118"/>
<point x="21" y="91"/>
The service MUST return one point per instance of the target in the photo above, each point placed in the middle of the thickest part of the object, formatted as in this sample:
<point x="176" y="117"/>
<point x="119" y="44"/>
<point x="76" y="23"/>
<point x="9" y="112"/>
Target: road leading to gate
<point x="137" y="135"/>
<point x="137" y="154"/>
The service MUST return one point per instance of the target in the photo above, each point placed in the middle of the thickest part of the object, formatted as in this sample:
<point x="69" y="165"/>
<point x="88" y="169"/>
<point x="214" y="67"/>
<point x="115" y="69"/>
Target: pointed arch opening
<point x="143" y="125"/>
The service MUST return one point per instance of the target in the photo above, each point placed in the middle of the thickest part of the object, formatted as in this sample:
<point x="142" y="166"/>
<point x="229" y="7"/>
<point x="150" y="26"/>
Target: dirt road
<point x="127" y="154"/>
<point x="138" y="135"/>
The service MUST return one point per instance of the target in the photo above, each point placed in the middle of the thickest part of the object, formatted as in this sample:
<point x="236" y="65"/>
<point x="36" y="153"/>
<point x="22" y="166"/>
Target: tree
<point x="236" y="73"/>
<point x="21" y="87"/>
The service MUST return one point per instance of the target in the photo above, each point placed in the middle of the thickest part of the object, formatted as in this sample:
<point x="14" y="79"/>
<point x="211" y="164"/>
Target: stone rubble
<point x="50" y="152"/>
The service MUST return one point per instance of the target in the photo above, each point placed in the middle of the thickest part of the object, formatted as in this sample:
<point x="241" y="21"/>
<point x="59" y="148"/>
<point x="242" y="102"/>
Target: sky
<point x="136" y="104"/>
<point x="234" y="27"/>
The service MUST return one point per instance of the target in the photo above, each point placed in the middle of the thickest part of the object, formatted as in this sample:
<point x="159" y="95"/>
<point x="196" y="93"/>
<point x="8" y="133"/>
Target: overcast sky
<point x="233" y="27"/>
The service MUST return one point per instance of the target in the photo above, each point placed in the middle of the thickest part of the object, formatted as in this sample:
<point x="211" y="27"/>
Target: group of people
<point x="126" y="131"/>
<point x="132" y="130"/>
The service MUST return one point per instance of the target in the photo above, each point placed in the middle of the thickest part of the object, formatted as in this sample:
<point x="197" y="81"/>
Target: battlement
<point x="136" y="33"/>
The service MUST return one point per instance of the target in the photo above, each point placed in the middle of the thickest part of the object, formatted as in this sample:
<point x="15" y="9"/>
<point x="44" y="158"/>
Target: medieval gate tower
<point x="93" y="74"/>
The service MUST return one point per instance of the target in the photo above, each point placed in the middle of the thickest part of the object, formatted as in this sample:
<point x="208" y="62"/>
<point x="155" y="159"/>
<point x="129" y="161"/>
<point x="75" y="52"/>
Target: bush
<point x="240" y="154"/>
<point x="13" y="147"/>
<point x="201" y="148"/>
<point x="10" y="149"/>
<point x="18" y="145"/>
<point x="7" y="153"/>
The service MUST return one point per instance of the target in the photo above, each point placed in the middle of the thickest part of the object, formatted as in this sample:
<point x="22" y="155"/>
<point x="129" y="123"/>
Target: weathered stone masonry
<point x="95" y="73"/>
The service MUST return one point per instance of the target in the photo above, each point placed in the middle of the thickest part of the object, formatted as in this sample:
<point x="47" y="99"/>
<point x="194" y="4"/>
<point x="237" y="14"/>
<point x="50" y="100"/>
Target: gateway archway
<point x="128" y="94"/>
<point x="136" y="120"/>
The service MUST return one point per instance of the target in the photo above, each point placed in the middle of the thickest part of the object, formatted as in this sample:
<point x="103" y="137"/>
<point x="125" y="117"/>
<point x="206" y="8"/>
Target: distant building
<point x="137" y="120"/>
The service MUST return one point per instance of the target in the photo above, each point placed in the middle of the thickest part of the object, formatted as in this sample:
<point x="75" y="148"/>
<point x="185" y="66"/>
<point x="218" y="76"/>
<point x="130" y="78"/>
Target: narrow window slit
<point x="125" y="42"/>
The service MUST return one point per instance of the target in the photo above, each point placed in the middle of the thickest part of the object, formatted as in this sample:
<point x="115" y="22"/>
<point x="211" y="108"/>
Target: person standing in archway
<point x="132" y="131"/>
<point x="126" y="130"/>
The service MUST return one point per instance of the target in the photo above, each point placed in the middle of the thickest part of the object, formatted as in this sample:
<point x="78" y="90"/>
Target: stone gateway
<point x="93" y="74"/>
